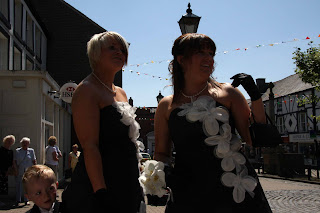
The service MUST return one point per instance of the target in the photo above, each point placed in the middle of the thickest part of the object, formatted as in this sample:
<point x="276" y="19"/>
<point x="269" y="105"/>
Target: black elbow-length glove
<point x="248" y="84"/>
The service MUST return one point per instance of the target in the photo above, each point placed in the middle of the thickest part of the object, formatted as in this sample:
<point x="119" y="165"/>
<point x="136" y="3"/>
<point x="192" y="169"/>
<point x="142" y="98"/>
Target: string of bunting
<point x="291" y="100"/>
<point x="224" y="52"/>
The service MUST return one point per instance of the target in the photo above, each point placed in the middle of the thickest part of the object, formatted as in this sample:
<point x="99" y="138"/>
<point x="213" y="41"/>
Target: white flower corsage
<point x="241" y="182"/>
<point x="152" y="180"/>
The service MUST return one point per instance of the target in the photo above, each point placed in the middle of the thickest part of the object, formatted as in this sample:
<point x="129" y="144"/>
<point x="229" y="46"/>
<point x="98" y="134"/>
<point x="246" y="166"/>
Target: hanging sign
<point x="66" y="91"/>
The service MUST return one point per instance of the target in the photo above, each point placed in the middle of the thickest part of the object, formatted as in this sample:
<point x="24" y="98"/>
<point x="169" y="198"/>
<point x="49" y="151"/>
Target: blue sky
<point x="151" y="27"/>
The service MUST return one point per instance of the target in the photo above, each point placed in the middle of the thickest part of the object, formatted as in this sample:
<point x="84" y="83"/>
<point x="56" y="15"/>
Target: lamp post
<point x="189" y="22"/>
<point x="159" y="97"/>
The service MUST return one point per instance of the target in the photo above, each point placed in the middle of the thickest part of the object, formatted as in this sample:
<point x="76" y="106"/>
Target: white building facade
<point x="26" y="107"/>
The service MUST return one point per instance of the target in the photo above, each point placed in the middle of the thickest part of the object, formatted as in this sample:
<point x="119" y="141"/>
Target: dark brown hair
<point x="186" y="45"/>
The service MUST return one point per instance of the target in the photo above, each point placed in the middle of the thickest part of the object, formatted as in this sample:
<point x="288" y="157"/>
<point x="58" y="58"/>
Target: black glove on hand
<point x="102" y="200"/>
<point x="248" y="84"/>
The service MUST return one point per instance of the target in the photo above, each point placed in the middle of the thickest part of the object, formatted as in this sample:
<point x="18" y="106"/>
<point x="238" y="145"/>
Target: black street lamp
<point x="159" y="97"/>
<point x="189" y="22"/>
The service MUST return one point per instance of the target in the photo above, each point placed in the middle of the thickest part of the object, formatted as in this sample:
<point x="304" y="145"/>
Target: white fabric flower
<point x="241" y="182"/>
<point x="204" y="110"/>
<point x="231" y="159"/>
<point x="210" y="122"/>
<point x="128" y="118"/>
<point x="222" y="140"/>
<point x="152" y="180"/>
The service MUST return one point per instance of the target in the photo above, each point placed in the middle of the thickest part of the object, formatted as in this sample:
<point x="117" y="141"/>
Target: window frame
<point x="3" y="18"/>
<point x="8" y="46"/>
<point x="302" y="128"/>
<point x="20" y="49"/>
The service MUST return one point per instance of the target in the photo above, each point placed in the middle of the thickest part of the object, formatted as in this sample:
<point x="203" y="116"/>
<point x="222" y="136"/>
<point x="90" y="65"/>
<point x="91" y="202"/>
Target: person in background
<point x="105" y="122"/>
<point x="6" y="162"/>
<point x="53" y="154"/>
<point x="73" y="157"/>
<point x="24" y="157"/>
<point x="40" y="185"/>
<point x="200" y="119"/>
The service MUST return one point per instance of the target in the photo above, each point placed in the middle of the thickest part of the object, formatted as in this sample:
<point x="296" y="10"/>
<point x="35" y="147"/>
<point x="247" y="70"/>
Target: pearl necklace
<point x="193" y="96"/>
<point x="111" y="90"/>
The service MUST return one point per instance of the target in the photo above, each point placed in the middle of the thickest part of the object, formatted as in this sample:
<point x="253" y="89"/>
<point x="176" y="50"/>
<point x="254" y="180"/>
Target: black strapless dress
<point x="120" y="169"/>
<point x="196" y="182"/>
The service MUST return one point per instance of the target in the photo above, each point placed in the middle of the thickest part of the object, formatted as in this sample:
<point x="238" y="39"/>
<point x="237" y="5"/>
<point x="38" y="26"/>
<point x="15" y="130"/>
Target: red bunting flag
<point x="307" y="38"/>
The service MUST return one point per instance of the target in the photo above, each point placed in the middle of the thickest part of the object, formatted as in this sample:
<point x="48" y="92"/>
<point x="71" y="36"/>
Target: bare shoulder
<point x="231" y="92"/>
<point x="228" y="95"/>
<point x="86" y="92"/>
<point x="165" y="106"/>
<point x="122" y="92"/>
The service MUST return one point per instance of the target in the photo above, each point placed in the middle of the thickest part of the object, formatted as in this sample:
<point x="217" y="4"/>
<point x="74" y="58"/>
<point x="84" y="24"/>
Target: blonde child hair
<point x="37" y="172"/>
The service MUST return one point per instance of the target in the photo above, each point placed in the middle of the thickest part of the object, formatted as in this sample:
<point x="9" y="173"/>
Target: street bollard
<point x="309" y="172"/>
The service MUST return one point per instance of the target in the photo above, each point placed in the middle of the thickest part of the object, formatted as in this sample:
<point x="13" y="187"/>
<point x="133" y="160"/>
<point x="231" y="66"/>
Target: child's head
<point x="40" y="185"/>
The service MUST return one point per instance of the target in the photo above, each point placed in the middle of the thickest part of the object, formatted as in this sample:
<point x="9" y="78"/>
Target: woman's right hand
<point x="102" y="199"/>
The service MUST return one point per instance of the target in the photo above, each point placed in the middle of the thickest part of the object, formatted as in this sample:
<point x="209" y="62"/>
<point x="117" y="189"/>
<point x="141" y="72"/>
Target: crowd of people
<point x="202" y="117"/>
<point x="17" y="162"/>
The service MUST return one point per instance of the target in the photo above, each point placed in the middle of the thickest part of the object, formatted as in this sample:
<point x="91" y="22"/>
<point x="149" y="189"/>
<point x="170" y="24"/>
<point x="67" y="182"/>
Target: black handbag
<point x="264" y="135"/>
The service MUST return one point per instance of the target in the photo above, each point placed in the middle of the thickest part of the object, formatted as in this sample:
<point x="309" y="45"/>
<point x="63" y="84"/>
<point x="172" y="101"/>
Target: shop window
<point x="18" y="17"/>
<point x="4" y="52"/>
<point x="17" y="58"/>
<point x="29" y="33"/>
<point x="302" y="121"/>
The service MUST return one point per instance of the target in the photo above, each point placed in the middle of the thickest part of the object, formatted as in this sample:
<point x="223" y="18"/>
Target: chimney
<point x="131" y="101"/>
<point x="262" y="85"/>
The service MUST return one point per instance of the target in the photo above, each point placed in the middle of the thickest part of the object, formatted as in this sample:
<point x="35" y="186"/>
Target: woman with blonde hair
<point x="105" y="124"/>
<point x="24" y="157"/>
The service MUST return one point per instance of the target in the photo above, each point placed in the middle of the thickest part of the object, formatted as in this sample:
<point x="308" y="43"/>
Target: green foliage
<point x="308" y="65"/>
<point x="308" y="68"/>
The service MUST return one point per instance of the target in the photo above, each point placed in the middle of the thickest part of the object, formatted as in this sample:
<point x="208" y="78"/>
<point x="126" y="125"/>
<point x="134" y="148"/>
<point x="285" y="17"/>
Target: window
<point x="18" y="17"/>
<point x="4" y="52"/>
<point x="17" y="59"/>
<point x="4" y="9"/>
<point x="38" y="43"/>
<point x="279" y="106"/>
<point x="302" y="121"/>
<point x="29" y="33"/>
<point x="280" y="124"/>
<point x="29" y="64"/>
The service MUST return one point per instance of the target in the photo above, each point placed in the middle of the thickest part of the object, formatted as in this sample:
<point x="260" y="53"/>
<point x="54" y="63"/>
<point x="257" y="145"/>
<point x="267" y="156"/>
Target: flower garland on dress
<point x="227" y="144"/>
<point x="128" y="118"/>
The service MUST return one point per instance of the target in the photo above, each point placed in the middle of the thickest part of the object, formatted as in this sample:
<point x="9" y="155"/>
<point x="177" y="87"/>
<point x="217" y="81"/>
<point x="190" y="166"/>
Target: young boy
<point x="40" y="185"/>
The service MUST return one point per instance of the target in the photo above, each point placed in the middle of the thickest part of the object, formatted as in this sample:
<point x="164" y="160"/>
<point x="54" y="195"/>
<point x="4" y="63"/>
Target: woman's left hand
<point x="248" y="84"/>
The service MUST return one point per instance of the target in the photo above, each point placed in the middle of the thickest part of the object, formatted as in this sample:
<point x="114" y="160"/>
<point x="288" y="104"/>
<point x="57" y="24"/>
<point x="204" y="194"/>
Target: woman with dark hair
<point x="6" y="162"/>
<point x="210" y="172"/>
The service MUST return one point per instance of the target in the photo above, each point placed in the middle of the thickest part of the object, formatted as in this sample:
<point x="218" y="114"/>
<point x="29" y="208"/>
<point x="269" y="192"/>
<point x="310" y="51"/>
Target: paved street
<point x="284" y="197"/>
